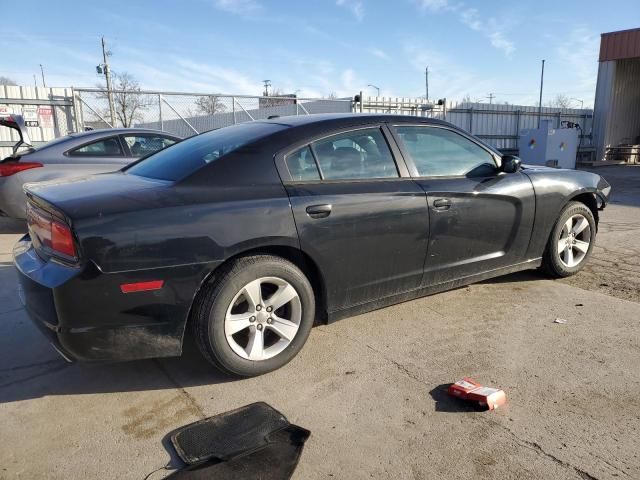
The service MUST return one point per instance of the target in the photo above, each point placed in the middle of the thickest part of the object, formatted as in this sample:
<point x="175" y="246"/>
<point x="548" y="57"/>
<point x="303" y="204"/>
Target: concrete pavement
<point x="370" y="388"/>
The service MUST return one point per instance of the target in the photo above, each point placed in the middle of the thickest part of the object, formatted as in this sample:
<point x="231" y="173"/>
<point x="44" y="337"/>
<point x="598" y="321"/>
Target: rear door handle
<point x="319" y="211"/>
<point x="442" y="204"/>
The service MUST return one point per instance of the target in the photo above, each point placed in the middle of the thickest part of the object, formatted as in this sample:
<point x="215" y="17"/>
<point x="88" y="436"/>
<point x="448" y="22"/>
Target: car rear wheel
<point x="571" y="241"/>
<point x="256" y="316"/>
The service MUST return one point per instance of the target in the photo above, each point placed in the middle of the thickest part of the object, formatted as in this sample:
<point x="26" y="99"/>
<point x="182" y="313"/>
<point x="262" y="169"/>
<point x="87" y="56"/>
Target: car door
<point x="480" y="217"/>
<point x="358" y="215"/>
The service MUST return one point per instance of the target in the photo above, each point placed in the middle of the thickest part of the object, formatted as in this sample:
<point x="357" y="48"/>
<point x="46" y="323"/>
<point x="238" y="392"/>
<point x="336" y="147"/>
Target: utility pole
<point x="491" y="96"/>
<point x="42" y="72"/>
<point x="107" y="74"/>
<point x="540" y="101"/>
<point x="426" y="83"/>
<point x="267" y="84"/>
<point x="35" y="82"/>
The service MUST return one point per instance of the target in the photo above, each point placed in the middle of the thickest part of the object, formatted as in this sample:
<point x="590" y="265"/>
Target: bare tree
<point x="130" y="103"/>
<point x="210" y="104"/>
<point x="7" y="81"/>
<point x="467" y="99"/>
<point x="560" y="101"/>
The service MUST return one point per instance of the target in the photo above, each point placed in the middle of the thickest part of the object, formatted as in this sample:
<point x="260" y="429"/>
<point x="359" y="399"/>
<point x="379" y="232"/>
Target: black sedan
<point x="249" y="234"/>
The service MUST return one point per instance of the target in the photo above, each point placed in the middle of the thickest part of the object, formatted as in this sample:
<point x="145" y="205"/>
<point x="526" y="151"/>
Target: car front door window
<point x="439" y="152"/>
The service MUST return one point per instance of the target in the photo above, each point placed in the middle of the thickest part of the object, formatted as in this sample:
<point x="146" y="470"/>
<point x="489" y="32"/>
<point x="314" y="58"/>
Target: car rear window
<point x="182" y="159"/>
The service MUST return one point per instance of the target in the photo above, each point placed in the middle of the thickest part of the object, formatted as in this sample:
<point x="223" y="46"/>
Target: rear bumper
<point x="86" y="317"/>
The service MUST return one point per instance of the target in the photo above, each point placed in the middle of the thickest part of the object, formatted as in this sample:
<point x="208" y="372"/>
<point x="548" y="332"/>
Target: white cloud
<point x="434" y="5"/>
<point x="376" y="52"/>
<point x="239" y="7"/>
<point x="578" y="52"/>
<point x="489" y="28"/>
<point x="355" y="6"/>
<point x="471" y="17"/>
<point x="219" y="79"/>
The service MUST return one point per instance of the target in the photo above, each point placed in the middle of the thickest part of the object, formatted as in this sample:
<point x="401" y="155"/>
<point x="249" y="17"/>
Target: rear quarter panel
<point x="194" y="228"/>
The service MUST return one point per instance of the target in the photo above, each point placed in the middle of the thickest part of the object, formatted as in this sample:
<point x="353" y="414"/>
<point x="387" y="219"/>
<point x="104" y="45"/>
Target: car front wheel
<point x="571" y="241"/>
<point x="256" y="316"/>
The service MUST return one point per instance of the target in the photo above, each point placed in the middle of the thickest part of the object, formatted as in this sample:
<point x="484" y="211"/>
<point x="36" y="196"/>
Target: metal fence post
<point x="76" y="110"/>
<point x="517" y="129"/>
<point x="160" y="111"/>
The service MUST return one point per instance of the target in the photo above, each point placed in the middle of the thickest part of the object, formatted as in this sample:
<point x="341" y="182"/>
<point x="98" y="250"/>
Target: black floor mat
<point x="276" y="460"/>
<point x="228" y="434"/>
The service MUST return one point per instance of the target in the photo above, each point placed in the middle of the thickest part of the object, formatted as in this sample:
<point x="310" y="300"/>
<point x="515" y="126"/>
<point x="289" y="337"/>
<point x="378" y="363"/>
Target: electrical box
<point x="551" y="147"/>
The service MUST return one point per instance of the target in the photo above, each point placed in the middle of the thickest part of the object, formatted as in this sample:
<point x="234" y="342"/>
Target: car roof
<point x="349" y="118"/>
<point x="100" y="132"/>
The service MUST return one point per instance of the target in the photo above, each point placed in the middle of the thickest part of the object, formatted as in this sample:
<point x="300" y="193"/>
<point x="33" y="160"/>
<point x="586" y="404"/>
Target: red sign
<point x="45" y="116"/>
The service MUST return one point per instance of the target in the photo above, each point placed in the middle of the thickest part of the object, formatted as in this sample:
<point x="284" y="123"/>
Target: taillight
<point x="50" y="233"/>
<point x="62" y="239"/>
<point x="10" y="168"/>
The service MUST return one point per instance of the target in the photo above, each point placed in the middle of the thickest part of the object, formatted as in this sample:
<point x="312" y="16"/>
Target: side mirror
<point x="511" y="163"/>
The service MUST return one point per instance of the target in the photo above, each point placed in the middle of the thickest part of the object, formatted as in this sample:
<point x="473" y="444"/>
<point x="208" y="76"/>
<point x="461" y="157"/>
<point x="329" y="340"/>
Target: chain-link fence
<point x="187" y="114"/>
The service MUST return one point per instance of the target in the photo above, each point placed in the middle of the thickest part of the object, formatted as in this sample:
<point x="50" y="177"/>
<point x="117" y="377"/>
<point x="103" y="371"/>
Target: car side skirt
<point x="430" y="290"/>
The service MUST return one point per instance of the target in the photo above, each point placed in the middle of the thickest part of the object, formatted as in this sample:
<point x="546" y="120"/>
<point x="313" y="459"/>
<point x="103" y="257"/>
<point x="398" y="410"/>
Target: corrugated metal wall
<point x="602" y="106"/>
<point x="617" y="105"/>
<point x="624" y="125"/>
<point x="53" y="107"/>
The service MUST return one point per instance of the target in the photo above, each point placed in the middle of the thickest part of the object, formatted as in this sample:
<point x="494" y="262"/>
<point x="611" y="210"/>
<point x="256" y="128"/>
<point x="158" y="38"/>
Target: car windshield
<point x="182" y="159"/>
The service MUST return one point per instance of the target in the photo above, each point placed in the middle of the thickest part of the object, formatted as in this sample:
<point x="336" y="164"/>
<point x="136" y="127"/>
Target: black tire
<point x="552" y="264"/>
<point x="212" y="304"/>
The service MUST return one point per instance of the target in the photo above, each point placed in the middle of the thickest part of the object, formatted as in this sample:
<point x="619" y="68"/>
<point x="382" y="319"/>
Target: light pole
<point x="377" y="88"/>
<point x="540" y="101"/>
<point x="579" y="100"/>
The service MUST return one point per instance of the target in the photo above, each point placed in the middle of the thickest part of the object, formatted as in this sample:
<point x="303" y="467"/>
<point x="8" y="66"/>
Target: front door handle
<point x="442" y="204"/>
<point x="319" y="211"/>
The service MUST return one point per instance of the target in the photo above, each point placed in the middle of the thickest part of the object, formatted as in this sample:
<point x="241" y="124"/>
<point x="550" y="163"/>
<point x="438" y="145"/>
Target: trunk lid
<point x="16" y="123"/>
<point x="100" y="194"/>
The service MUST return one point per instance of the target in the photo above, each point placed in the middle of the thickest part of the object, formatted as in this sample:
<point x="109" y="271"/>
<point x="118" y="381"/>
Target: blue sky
<point x="319" y="47"/>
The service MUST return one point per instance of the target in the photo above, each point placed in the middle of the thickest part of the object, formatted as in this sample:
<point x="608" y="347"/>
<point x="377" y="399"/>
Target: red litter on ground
<point x="468" y="389"/>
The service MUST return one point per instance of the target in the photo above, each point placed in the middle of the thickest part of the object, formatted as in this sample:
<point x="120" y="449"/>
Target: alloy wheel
<point x="263" y="318"/>
<point x="574" y="240"/>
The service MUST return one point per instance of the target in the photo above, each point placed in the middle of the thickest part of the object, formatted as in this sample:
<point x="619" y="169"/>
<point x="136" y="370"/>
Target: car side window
<point x="355" y="155"/>
<point x="439" y="152"/>
<point x="302" y="165"/>
<point x="141" y="145"/>
<point x="107" y="147"/>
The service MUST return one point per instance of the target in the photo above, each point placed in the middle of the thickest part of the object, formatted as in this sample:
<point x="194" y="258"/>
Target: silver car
<point x="78" y="154"/>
